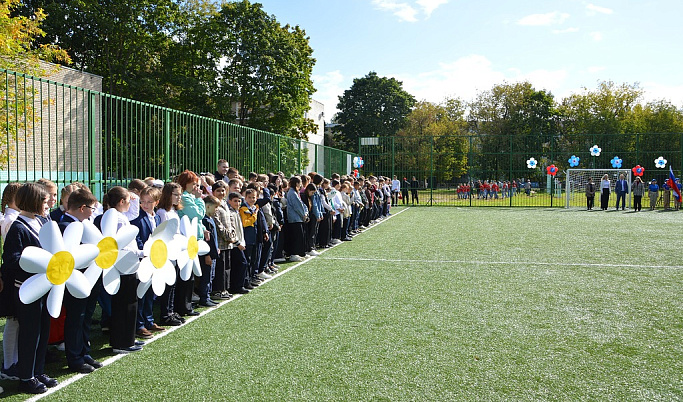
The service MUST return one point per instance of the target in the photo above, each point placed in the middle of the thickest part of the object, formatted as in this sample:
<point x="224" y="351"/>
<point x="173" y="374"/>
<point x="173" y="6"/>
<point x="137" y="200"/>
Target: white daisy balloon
<point x="56" y="264"/>
<point x="156" y="269"/>
<point x="531" y="163"/>
<point x="660" y="162"/>
<point x="113" y="261"/>
<point x="191" y="248"/>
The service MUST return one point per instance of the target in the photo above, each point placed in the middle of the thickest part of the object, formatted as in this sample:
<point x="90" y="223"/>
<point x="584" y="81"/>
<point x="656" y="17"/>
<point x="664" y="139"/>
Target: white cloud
<point x="656" y="91"/>
<point x="470" y="75"/>
<point x="592" y="9"/>
<point x="428" y="6"/>
<point x="553" y="18"/>
<point x="563" y="31"/>
<point x="596" y="69"/>
<point x="597" y="36"/>
<point x="403" y="11"/>
<point x="328" y="87"/>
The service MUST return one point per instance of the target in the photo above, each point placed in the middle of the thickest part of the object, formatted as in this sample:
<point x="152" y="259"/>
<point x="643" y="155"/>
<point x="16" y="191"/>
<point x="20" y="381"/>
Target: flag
<point x="671" y="181"/>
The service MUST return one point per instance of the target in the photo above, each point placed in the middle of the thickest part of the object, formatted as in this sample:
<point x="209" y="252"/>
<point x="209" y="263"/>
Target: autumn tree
<point x="374" y="106"/>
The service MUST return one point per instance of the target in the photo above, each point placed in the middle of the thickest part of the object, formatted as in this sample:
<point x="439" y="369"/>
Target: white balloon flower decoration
<point x="56" y="264"/>
<point x="531" y="163"/>
<point x="595" y="150"/>
<point x="190" y="248"/>
<point x="660" y="162"/>
<point x="113" y="261"/>
<point x="156" y="269"/>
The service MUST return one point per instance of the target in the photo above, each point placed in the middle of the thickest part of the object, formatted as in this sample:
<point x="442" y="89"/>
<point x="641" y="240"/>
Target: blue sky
<point x="457" y="48"/>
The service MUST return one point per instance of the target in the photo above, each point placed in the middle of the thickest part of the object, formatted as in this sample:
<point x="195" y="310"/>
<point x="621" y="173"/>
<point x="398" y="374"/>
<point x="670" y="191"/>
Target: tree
<point x="373" y="107"/>
<point x="514" y="121"/>
<point x="437" y="132"/>
<point x="19" y="52"/>
<point x="264" y="70"/>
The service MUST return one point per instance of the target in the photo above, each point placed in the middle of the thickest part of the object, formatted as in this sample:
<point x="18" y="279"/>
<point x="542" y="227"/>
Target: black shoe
<point x="92" y="362"/>
<point x="208" y="303"/>
<point x="139" y="343"/>
<point x="32" y="386"/>
<point x="242" y="291"/>
<point x="49" y="382"/>
<point x="179" y="318"/>
<point x="171" y="321"/>
<point x="84" y="368"/>
<point x="247" y="286"/>
<point x="129" y="349"/>
<point x="192" y="314"/>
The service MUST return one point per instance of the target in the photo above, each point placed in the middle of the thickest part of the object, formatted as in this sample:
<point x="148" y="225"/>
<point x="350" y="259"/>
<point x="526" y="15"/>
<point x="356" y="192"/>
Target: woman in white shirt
<point x="604" y="192"/>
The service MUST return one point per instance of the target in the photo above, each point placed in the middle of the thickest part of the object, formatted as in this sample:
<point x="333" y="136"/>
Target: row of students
<point x="249" y="225"/>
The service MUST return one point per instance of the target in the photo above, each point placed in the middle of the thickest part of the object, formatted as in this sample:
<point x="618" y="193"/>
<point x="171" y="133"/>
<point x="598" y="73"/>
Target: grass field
<point x="439" y="304"/>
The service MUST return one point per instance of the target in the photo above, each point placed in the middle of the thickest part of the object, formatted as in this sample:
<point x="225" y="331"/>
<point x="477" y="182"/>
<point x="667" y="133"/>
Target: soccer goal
<point x="575" y="185"/>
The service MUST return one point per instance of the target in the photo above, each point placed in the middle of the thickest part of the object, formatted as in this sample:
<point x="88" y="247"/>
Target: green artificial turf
<point x="440" y="304"/>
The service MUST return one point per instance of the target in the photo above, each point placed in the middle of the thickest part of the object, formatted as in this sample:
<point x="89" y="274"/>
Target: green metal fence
<point x="65" y="133"/>
<point x="444" y="165"/>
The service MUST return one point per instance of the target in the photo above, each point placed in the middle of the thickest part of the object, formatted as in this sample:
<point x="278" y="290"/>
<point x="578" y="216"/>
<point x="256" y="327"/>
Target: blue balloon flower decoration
<point x="616" y="162"/>
<point x="574" y="161"/>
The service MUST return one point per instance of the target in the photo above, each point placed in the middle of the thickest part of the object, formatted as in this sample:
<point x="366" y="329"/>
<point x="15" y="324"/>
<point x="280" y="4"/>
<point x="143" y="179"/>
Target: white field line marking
<point x="169" y="330"/>
<point x="503" y="263"/>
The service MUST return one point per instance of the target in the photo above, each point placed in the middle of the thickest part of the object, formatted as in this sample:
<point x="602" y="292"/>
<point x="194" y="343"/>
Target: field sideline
<point x="439" y="304"/>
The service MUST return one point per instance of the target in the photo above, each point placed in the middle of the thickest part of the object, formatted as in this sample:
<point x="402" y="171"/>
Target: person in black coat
<point x="34" y="320"/>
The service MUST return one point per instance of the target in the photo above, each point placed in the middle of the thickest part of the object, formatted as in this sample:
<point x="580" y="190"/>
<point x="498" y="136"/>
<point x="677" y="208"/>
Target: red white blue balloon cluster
<point x="358" y="162"/>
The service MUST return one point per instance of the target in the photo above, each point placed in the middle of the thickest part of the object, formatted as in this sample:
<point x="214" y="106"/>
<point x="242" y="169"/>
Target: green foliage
<point x="263" y="70"/>
<point x="373" y="107"/>
<point x="19" y="52"/>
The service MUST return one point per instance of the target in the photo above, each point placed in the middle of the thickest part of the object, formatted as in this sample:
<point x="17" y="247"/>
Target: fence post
<point x="299" y="159"/>
<point x="393" y="157"/>
<point x="92" y="117"/>
<point x="217" y="142"/>
<point x="431" y="172"/>
<point x="167" y="146"/>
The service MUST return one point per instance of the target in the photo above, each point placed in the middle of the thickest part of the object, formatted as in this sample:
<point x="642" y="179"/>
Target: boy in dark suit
<point x="146" y="222"/>
<point x="79" y="207"/>
<point x="208" y="261"/>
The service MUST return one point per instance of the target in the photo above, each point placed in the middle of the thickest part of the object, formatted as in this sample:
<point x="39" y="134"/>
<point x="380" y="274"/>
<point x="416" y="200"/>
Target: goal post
<point x="576" y="180"/>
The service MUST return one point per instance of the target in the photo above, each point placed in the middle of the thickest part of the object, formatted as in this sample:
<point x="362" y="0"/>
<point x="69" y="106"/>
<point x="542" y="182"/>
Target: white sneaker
<point x="263" y="275"/>
<point x="295" y="258"/>
<point x="313" y="253"/>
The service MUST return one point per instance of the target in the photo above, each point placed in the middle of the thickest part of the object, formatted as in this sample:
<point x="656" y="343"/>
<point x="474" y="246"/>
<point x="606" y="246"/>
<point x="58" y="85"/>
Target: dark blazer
<point x="56" y="214"/>
<point x="145" y="225"/>
<point x="621" y="187"/>
<point x="210" y="225"/>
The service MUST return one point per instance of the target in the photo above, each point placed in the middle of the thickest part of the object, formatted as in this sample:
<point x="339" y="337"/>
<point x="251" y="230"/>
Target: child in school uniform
<point x="254" y="233"/>
<point x="124" y="304"/>
<point x="78" y="317"/>
<point x="208" y="261"/>
<point x="146" y="222"/>
<point x="168" y="206"/>
<point x="33" y="318"/>
<point x="10" y="337"/>
<point x="226" y="237"/>
<point x="238" y="261"/>
<point x="193" y="207"/>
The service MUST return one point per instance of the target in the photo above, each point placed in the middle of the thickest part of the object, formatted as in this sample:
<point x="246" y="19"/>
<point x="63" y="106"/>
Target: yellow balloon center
<point x="158" y="254"/>
<point x="109" y="252"/>
<point x="60" y="267"/>
<point x="192" y="247"/>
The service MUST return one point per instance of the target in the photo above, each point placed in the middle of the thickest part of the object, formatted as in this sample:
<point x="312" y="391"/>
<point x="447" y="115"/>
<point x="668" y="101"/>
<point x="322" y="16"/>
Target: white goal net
<point x="575" y="185"/>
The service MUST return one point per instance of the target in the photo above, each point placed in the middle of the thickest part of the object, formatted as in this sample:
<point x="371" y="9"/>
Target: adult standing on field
<point x="590" y="194"/>
<point x="395" y="189"/>
<point x="638" y="189"/>
<point x="621" y="188"/>
<point x="653" y="193"/>
<point x="414" y="185"/>
<point x="604" y="192"/>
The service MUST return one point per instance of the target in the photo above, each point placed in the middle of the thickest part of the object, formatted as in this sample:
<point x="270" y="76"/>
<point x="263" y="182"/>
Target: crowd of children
<point x="250" y="225"/>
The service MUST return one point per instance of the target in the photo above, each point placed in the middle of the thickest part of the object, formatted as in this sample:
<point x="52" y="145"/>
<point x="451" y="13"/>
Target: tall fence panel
<point x="65" y="133"/>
